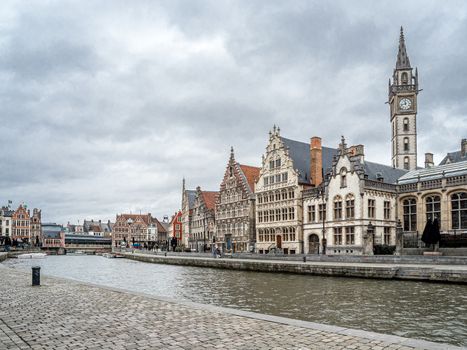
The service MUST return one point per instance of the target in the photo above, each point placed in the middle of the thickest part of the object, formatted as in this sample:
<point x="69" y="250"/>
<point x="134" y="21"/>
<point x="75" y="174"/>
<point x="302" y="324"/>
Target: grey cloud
<point x="105" y="106"/>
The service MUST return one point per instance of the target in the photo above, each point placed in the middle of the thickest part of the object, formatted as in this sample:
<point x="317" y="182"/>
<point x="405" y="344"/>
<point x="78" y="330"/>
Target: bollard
<point x="304" y="259"/>
<point x="36" y="275"/>
<point x="165" y="254"/>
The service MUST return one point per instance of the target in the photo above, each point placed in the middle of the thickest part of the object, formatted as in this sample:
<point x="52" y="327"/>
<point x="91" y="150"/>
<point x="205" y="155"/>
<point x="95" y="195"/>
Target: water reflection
<point x="436" y="312"/>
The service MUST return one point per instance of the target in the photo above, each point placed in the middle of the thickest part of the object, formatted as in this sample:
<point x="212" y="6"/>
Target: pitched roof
<point x="191" y="195"/>
<point x="160" y="226"/>
<point x="144" y="217"/>
<point x="389" y="174"/>
<point x="251" y="173"/>
<point x="454" y="157"/>
<point x="209" y="198"/>
<point x="436" y="172"/>
<point x="300" y="154"/>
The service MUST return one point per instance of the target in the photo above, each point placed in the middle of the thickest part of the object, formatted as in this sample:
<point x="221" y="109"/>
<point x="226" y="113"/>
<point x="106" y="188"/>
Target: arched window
<point x="404" y="78"/>
<point x="343" y="177"/>
<point x="433" y="207"/>
<point x="459" y="210"/>
<point x="337" y="208"/>
<point x="406" y="163"/>
<point x="406" y="124"/>
<point x="349" y="207"/>
<point x="406" y="143"/>
<point x="410" y="214"/>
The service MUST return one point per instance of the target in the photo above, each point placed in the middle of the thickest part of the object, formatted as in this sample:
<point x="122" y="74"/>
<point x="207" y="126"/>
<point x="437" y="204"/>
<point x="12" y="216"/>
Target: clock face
<point x="405" y="104"/>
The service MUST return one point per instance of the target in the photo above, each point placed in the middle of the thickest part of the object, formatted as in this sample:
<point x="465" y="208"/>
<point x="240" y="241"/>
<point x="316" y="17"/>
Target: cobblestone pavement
<point x="62" y="314"/>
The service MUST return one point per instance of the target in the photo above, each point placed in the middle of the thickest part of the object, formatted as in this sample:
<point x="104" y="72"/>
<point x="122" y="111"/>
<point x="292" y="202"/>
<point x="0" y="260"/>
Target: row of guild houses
<point x="21" y="224"/>
<point x="307" y="198"/>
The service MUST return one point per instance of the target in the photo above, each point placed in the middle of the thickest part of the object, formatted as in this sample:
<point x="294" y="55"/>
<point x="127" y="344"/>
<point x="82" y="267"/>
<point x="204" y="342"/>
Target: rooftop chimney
<point x="316" y="161"/>
<point x="429" y="160"/>
<point x="464" y="147"/>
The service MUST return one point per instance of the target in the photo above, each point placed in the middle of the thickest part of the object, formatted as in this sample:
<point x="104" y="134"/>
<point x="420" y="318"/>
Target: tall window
<point x="337" y="235"/>
<point x="406" y="124"/>
<point x="350" y="235"/>
<point x="343" y="178"/>
<point x="433" y="207"/>
<point x="410" y="214"/>
<point x="387" y="235"/>
<point x="349" y="207"/>
<point x="371" y="208"/>
<point x="406" y="143"/>
<point x="387" y="210"/>
<point x="311" y="213"/>
<point x="406" y="163"/>
<point x="459" y="210"/>
<point x="322" y="212"/>
<point x="337" y="208"/>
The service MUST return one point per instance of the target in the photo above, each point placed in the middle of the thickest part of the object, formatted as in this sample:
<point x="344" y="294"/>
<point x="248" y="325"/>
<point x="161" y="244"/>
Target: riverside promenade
<point x="63" y="314"/>
<point x="433" y="272"/>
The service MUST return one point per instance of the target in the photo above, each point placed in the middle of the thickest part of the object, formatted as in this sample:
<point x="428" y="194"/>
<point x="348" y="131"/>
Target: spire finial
<point x="403" y="61"/>
<point x="231" y="153"/>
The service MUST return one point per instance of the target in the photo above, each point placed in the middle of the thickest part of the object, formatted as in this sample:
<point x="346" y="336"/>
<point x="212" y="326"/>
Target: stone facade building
<point x="354" y="194"/>
<point x="235" y="208"/>
<point x="403" y="91"/>
<point x="435" y="192"/>
<point x="188" y="201"/>
<point x="288" y="168"/>
<point x="21" y="224"/>
<point x="203" y="220"/>
<point x="6" y="222"/>
<point x="36" y="228"/>
<point x="138" y="231"/>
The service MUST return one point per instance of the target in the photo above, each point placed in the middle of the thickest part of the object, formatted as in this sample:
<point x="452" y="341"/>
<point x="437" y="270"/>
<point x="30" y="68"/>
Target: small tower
<point x="403" y="91"/>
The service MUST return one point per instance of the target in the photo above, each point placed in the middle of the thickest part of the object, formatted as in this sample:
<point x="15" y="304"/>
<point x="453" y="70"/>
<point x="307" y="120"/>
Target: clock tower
<point x="403" y="91"/>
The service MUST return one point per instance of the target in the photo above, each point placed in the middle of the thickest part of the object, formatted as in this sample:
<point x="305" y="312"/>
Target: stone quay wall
<point x="67" y="315"/>
<point x="433" y="273"/>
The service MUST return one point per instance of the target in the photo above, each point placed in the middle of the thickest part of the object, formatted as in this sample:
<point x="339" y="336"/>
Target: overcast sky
<point x="106" y="105"/>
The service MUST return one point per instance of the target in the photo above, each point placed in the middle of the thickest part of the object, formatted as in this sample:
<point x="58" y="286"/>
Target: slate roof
<point x="191" y="194"/>
<point x="453" y="157"/>
<point x="389" y="174"/>
<point x="300" y="154"/>
<point x="251" y="174"/>
<point x="161" y="226"/>
<point x="144" y="217"/>
<point x="436" y="172"/>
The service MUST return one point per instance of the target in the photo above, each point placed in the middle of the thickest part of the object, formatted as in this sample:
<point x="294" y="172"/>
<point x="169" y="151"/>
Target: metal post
<point x="36" y="275"/>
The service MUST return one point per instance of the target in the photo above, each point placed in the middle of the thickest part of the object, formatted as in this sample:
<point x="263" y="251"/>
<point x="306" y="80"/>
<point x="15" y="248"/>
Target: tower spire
<point x="402" y="57"/>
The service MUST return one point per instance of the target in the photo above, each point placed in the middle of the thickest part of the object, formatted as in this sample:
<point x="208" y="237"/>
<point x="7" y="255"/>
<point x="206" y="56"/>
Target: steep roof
<point x="389" y="174"/>
<point x="403" y="61"/>
<point x="300" y="154"/>
<point x="144" y="217"/>
<point x="160" y="226"/>
<point x="436" y="172"/>
<point x="251" y="174"/>
<point x="209" y="198"/>
<point x="191" y="194"/>
<point x="454" y="157"/>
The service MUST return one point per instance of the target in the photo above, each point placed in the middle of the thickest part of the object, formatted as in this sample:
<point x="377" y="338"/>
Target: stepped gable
<point x="299" y="152"/>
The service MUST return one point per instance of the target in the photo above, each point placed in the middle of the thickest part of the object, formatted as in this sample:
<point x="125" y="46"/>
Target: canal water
<point x="435" y="312"/>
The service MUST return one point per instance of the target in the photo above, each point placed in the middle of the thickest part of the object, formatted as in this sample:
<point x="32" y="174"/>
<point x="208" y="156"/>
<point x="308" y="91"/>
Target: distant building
<point x="97" y="228"/>
<point x="36" y="227"/>
<point x="53" y="236"/>
<point x="21" y="224"/>
<point x="6" y="222"/>
<point x="188" y="202"/>
<point x="139" y="231"/>
<point x="235" y="207"/>
<point x="176" y="227"/>
<point x="203" y="220"/>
